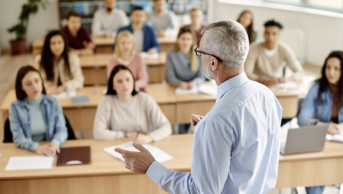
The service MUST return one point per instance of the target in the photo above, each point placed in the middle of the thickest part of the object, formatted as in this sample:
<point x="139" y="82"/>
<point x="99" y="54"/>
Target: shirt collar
<point x="231" y="83"/>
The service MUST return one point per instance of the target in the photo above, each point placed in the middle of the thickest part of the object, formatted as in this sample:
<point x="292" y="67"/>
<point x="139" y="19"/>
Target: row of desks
<point x="177" y="108"/>
<point x="106" y="174"/>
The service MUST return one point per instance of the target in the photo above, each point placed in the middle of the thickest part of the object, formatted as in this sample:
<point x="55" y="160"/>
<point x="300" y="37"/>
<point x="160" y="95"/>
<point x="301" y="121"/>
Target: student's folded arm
<point x="102" y="128"/>
<point x="308" y="107"/>
<point x="249" y="65"/>
<point x="96" y="25"/>
<point x="142" y="80"/>
<point x="162" y="125"/>
<point x="61" y="131"/>
<point x="294" y="64"/>
<point x="76" y="72"/>
<point x="170" y="73"/>
<point x="18" y="135"/>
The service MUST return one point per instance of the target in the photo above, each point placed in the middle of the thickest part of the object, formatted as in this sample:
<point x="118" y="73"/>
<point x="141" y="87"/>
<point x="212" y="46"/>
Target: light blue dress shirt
<point x="236" y="145"/>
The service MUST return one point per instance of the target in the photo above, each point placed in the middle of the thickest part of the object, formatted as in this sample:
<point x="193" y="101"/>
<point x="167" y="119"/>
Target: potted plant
<point x="18" y="46"/>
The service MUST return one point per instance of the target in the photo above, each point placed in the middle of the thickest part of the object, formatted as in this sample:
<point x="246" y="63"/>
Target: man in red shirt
<point x="197" y="23"/>
<point x="77" y="36"/>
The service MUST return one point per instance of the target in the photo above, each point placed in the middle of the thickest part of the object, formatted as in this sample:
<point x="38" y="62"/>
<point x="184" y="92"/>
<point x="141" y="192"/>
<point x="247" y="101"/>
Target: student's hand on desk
<point x="184" y="85"/>
<point x="138" y="162"/>
<point x="282" y="80"/>
<point x="162" y="33"/>
<point x="141" y="138"/>
<point x="47" y="149"/>
<point x="191" y="85"/>
<point x="54" y="147"/>
<point x="107" y="35"/>
<point x="152" y="51"/>
<point x="55" y="90"/>
<point x="195" y="119"/>
<point x="333" y="129"/>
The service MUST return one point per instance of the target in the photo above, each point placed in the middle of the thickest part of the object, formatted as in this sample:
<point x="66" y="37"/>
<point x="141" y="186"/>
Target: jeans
<point x="315" y="190"/>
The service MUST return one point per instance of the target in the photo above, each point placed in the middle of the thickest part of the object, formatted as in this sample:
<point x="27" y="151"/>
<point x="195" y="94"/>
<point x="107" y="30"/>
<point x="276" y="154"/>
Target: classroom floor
<point x="9" y="66"/>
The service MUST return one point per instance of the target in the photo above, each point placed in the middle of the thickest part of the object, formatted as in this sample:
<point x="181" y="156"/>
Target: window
<point x="338" y="4"/>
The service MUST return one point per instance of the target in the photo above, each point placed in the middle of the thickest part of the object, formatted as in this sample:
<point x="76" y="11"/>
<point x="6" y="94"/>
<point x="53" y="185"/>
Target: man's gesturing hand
<point x="195" y="119"/>
<point x="138" y="162"/>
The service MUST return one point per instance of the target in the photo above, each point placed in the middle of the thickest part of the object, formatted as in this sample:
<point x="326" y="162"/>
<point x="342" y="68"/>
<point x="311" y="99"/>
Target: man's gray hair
<point x="227" y="40"/>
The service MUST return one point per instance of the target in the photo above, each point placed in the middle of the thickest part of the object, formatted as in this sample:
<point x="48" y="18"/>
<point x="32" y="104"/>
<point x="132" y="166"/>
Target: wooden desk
<point x="94" y="68"/>
<point x="108" y="175"/>
<point x="166" y="43"/>
<point x="103" y="45"/>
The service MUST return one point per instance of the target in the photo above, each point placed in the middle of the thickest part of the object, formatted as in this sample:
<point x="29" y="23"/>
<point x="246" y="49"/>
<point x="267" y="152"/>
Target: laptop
<point x="304" y="139"/>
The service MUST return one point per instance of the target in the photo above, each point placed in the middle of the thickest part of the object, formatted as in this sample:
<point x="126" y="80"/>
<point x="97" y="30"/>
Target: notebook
<point x="81" y="100"/>
<point x="74" y="156"/>
<point x="336" y="138"/>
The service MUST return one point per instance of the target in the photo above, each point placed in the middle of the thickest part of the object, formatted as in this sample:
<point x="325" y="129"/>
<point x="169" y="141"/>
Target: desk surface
<point x="178" y="146"/>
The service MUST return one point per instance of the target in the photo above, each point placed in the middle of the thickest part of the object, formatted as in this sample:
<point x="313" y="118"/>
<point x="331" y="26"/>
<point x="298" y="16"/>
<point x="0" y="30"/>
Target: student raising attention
<point x="183" y="68"/>
<point x="124" y="53"/>
<point x="124" y="112"/>
<point x="323" y="104"/>
<point x="35" y="117"/>
<point x="59" y="68"/>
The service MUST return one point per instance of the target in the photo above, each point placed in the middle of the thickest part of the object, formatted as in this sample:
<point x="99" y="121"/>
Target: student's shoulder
<point x="256" y="46"/>
<point x="119" y="11"/>
<point x="171" y="52"/>
<point x="284" y="47"/>
<point x="145" y="98"/>
<point x="106" y="100"/>
<point x="99" y="12"/>
<point x="124" y="28"/>
<point x="73" y="58"/>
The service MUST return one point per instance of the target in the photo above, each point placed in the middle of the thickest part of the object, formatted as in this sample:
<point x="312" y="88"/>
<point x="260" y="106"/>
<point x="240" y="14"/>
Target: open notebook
<point x="336" y="138"/>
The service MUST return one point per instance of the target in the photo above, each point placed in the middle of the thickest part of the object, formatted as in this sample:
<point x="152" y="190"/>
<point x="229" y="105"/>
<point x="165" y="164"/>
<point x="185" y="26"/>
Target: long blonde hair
<point x="122" y="34"/>
<point x="192" y="56"/>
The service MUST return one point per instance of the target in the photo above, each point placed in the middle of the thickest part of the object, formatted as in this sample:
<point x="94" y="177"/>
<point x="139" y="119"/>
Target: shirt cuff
<point x="155" y="172"/>
<point x="34" y="147"/>
<point x="56" y="142"/>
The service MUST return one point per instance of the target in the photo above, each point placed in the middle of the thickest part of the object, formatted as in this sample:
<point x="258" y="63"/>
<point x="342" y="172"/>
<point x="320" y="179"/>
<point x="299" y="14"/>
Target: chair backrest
<point x="8" y="136"/>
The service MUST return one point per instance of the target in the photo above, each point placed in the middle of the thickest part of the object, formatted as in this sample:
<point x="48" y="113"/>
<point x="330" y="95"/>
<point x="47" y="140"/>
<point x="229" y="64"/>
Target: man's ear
<point x="214" y="63"/>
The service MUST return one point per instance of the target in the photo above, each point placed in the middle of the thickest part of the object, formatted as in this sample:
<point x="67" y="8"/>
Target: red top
<point x="197" y="33"/>
<point x="80" y="41"/>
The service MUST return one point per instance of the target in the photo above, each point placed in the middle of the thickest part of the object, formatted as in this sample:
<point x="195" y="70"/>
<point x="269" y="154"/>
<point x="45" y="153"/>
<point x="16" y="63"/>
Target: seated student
<point x="144" y="36"/>
<point x="106" y="22"/>
<point x="124" y="112"/>
<point x="265" y="60"/>
<point x="323" y="104"/>
<point x="183" y="68"/>
<point x="35" y="117"/>
<point x="164" y="22"/>
<point x="197" y="18"/>
<point x="246" y="19"/>
<point x="124" y="53"/>
<point x="78" y="37"/>
<point x="59" y="68"/>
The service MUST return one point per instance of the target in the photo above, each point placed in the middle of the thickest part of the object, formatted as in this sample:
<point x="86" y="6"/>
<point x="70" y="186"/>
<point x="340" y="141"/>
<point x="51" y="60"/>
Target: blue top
<point x="236" y="145"/>
<point x="311" y="111"/>
<point x="150" y="40"/>
<point x="20" y="122"/>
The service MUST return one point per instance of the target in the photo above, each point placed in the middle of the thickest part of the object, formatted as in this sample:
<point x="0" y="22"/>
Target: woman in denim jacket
<point x="323" y="104"/>
<point x="34" y="116"/>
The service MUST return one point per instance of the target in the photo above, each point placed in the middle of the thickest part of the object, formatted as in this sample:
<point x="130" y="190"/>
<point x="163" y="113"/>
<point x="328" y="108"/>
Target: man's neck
<point x="73" y="34"/>
<point x="159" y="13"/>
<point x="224" y="75"/>
<point x="196" y="27"/>
<point x="125" y="56"/>
<point x="136" y="26"/>
<point x="269" y="47"/>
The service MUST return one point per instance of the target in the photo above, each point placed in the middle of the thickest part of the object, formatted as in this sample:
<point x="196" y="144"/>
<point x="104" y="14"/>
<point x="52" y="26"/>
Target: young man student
<point x="144" y="36"/>
<point x="164" y="22"/>
<point x="106" y="22"/>
<point x="197" y="18"/>
<point x="77" y="37"/>
<point x="265" y="61"/>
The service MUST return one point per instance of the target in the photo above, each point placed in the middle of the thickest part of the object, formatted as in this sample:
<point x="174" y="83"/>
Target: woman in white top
<point x="124" y="112"/>
<point x="60" y="69"/>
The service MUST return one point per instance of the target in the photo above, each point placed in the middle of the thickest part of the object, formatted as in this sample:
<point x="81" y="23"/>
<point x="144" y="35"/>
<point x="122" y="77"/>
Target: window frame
<point x="306" y="4"/>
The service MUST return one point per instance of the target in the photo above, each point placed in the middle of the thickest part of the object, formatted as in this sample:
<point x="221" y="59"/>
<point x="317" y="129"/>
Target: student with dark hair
<point x="124" y="112"/>
<point x="323" y="104"/>
<point x="144" y="36"/>
<point x="35" y="117"/>
<point x="265" y="61"/>
<point x="59" y="68"/>
<point x="77" y="36"/>
<point x="247" y="21"/>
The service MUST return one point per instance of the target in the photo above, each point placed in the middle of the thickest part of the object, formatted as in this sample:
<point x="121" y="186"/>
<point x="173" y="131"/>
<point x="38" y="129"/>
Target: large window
<point x="330" y="5"/>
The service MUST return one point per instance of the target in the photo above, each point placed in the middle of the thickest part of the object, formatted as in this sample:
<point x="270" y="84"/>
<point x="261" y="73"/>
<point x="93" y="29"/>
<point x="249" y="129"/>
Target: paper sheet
<point x="65" y="94"/>
<point x="29" y="163"/>
<point x="158" y="154"/>
<point x="287" y="85"/>
<point x="190" y="91"/>
<point x="145" y="55"/>
<point x="208" y="89"/>
<point x="337" y="138"/>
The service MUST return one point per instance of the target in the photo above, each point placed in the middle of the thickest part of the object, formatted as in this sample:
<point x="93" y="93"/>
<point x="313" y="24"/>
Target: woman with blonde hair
<point x="124" y="53"/>
<point x="184" y="68"/>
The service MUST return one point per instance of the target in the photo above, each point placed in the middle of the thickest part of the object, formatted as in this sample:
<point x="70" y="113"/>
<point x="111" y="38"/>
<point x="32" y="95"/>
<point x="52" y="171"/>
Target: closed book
<point x="74" y="156"/>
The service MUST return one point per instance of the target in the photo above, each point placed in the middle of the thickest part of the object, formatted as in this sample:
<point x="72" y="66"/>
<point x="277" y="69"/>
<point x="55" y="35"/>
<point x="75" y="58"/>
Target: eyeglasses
<point x="198" y="52"/>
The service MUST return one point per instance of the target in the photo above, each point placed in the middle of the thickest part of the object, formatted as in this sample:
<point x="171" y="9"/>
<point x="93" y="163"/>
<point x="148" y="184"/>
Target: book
<point x="74" y="156"/>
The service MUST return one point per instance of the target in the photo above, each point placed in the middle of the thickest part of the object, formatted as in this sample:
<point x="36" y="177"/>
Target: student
<point x="59" y="68"/>
<point x="323" y="104"/>
<point x="144" y="36"/>
<point x="164" y="22"/>
<point x="124" y="112"/>
<point x="106" y="22"/>
<point x="124" y="53"/>
<point x="78" y="37"/>
<point x="35" y="117"/>
<point x="183" y="68"/>
<point x="246" y="19"/>
<point x="265" y="60"/>
<point x="197" y="18"/>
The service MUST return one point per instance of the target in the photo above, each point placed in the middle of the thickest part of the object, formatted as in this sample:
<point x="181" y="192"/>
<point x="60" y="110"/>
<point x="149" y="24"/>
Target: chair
<point x="8" y="136"/>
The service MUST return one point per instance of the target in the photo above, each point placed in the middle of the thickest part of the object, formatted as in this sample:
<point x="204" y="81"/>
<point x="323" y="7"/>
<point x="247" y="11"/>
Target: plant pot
<point x="18" y="47"/>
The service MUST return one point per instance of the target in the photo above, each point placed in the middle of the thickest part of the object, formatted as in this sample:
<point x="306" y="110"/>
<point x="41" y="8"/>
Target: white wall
<point x="39" y="24"/>
<point x="323" y="34"/>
